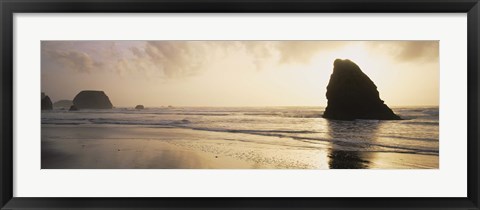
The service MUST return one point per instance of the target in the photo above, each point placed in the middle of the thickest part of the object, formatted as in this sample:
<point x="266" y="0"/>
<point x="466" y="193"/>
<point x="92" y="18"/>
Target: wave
<point x="192" y="112"/>
<point x="286" y="115"/>
<point x="337" y="141"/>
<point x="276" y="123"/>
<point x="436" y="123"/>
<point x="186" y="123"/>
<point x="408" y="138"/>
<point x="113" y="121"/>
<point x="263" y="132"/>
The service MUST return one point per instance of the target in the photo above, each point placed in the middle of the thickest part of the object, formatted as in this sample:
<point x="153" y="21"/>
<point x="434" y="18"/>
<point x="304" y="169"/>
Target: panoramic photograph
<point x="240" y="104"/>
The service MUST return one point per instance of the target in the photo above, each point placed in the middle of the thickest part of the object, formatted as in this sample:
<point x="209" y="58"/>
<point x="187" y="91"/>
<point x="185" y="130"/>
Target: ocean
<point x="246" y="131"/>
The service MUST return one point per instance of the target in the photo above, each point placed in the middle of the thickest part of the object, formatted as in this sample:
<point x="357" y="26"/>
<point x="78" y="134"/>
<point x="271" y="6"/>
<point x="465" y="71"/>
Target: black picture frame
<point x="10" y="7"/>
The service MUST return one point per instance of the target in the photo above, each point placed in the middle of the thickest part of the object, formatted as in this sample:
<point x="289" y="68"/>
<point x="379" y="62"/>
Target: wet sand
<point x="71" y="147"/>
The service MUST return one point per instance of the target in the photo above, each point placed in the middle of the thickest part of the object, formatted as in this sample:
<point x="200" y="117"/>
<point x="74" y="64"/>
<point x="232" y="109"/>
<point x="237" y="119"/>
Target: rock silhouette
<point x="46" y="102"/>
<point x="73" y="108"/>
<point x="139" y="107"/>
<point x="351" y="95"/>
<point x="92" y="99"/>
<point x="63" y="104"/>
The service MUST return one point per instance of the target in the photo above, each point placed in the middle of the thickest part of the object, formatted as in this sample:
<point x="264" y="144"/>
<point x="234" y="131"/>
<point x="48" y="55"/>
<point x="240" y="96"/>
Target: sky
<point x="235" y="73"/>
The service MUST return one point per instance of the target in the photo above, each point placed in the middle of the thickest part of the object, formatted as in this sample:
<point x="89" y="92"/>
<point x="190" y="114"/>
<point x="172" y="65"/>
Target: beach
<point x="240" y="104"/>
<point x="180" y="145"/>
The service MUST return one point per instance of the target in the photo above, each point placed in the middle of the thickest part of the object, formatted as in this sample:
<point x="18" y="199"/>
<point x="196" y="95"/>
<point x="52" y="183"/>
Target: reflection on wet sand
<point x="128" y="154"/>
<point x="344" y="155"/>
<point x="114" y="148"/>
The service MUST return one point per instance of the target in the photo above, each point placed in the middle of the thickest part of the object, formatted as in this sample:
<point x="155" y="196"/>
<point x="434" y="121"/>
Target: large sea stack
<point x="92" y="99"/>
<point x="351" y="95"/>
<point x="46" y="102"/>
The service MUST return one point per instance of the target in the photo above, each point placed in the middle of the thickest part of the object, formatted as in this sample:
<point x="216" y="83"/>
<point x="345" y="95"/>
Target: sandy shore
<point x="70" y="147"/>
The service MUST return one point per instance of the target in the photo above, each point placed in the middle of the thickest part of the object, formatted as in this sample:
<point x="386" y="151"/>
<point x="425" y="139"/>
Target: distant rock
<point x="73" y="108"/>
<point x="139" y="107"/>
<point x="46" y="102"/>
<point x="63" y="104"/>
<point x="92" y="99"/>
<point x="352" y="95"/>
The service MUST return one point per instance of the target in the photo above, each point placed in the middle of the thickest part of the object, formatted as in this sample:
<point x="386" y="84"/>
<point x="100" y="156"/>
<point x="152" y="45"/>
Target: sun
<point x="356" y="52"/>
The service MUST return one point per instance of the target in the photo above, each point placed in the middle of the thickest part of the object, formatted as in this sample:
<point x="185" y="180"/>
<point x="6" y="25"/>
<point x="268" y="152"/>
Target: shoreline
<point x="68" y="147"/>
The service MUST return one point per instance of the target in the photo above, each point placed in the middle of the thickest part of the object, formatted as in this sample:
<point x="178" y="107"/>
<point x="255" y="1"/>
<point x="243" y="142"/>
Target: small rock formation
<point x="139" y="107"/>
<point x="92" y="99"/>
<point x="46" y="102"/>
<point x="352" y="95"/>
<point x="63" y="104"/>
<point x="73" y="108"/>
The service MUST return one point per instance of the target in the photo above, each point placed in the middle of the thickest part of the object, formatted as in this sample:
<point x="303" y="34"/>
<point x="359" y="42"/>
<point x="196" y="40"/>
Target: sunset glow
<point x="235" y="73"/>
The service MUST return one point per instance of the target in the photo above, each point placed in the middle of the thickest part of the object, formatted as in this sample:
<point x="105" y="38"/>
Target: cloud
<point x="68" y="55"/>
<point x="159" y="59"/>
<point x="180" y="59"/>
<point x="186" y="58"/>
<point x="75" y="61"/>
<point x="177" y="58"/>
<point x="408" y="51"/>
<point x="303" y="51"/>
<point x="288" y="52"/>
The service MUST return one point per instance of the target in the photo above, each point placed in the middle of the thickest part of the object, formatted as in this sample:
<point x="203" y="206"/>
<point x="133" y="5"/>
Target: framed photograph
<point x="239" y="104"/>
